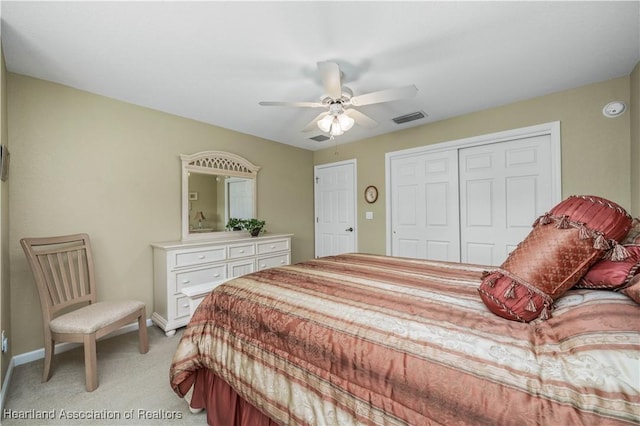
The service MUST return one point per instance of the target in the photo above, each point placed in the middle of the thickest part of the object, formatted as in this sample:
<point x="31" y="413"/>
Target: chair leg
<point x="49" y="347"/>
<point x="143" y="340"/>
<point x="90" y="362"/>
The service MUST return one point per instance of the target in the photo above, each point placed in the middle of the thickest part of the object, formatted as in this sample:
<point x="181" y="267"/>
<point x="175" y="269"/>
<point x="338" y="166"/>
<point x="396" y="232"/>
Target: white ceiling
<point x="214" y="61"/>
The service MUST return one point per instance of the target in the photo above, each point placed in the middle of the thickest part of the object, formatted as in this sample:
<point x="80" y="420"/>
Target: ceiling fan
<point x="339" y="102"/>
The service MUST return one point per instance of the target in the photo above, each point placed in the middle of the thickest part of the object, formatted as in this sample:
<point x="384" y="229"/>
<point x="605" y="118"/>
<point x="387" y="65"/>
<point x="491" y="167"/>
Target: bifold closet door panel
<point x="503" y="188"/>
<point x="425" y="206"/>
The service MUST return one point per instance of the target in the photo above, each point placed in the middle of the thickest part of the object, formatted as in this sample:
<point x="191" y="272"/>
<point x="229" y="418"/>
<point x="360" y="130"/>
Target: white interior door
<point x="335" y="208"/>
<point x="425" y="205"/>
<point x="503" y="188"/>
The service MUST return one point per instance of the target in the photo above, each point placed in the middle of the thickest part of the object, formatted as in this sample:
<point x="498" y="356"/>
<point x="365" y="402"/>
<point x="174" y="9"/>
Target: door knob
<point x="349" y="229"/>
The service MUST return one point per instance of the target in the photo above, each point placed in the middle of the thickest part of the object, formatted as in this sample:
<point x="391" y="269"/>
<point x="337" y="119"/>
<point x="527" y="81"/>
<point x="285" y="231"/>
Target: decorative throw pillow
<point x="559" y="250"/>
<point x="633" y="289"/>
<point x="607" y="274"/>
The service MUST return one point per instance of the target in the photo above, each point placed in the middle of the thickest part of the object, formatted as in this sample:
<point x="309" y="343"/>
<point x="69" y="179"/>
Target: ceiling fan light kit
<point x="337" y="124"/>
<point x="325" y="123"/>
<point x="346" y="122"/>
<point x="339" y="100"/>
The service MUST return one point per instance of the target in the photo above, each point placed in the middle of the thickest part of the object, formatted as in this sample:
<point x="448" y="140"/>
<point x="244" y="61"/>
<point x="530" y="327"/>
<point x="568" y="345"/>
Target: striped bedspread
<point x="368" y="339"/>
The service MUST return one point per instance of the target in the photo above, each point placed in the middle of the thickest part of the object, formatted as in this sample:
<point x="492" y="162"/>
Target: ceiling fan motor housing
<point x="335" y="108"/>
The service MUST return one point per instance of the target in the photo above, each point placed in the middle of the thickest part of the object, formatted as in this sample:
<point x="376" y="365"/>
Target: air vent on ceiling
<point x="320" y="138"/>
<point x="409" y="117"/>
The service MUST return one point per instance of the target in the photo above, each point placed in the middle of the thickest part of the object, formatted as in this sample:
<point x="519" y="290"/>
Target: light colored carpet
<point x="133" y="388"/>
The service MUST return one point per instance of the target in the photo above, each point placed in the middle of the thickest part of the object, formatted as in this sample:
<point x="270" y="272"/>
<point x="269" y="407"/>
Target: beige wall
<point x="595" y="149"/>
<point x="85" y="163"/>
<point x="5" y="294"/>
<point x="634" y="112"/>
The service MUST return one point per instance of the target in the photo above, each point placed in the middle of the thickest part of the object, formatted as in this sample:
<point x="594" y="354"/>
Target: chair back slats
<point x="65" y="265"/>
<point x="50" y="280"/>
<point x="76" y="285"/>
<point x="85" y="278"/>
<point x="62" y="270"/>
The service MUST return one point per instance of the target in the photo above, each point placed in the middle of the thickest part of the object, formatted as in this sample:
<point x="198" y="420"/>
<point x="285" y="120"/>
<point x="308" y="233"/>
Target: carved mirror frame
<point x="214" y="163"/>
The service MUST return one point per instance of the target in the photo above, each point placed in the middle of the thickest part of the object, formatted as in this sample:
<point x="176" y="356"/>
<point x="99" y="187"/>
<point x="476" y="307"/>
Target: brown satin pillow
<point x="607" y="274"/>
<point x="559" y="250"/>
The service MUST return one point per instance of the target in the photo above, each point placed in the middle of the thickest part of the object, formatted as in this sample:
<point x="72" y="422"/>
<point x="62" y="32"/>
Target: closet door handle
<point x="349" y="229"/>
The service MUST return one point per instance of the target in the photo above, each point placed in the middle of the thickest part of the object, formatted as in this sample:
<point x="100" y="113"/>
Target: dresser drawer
<point x="267" y="262"/>
<point x="242" y="250"/>
<point x="183" y="307"/>
<point x="200" y="256"/>
<point x="199" y="276"/>
<point x="273" y="246"/>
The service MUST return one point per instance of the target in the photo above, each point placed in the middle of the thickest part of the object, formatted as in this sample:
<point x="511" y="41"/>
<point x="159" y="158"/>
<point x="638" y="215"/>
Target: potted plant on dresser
<point x="234" y="224"/>
<point x="254" y="226"/>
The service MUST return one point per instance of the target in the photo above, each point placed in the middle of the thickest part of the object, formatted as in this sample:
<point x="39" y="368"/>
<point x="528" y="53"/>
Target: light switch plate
<point x="368" y="215"/>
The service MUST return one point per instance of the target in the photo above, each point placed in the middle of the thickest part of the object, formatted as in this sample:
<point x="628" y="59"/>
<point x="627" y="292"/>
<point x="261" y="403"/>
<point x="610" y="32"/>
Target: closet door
<point x="503" y="188"/>
<point x="424" y="199"/>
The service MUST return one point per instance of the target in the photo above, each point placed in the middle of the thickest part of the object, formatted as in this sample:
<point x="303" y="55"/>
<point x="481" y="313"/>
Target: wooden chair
<point x="63" y="270"/>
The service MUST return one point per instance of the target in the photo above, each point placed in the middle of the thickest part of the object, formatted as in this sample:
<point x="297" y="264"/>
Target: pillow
<point x="609" y="274"/>
<point x="559" y="250"/>
<point x="633" y="289"/>
<point x="633" y="237"/>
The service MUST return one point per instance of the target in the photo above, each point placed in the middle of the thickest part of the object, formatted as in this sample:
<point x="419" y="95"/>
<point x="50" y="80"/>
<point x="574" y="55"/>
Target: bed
<point x="370" y="339"/>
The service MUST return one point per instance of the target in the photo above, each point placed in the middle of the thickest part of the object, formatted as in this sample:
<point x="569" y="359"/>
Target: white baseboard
<point x="60" y="347"/>
<point x="5" y="385"/>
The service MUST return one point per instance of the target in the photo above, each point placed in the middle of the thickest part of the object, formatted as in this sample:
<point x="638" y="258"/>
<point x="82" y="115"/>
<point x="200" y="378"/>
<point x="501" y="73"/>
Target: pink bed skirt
<point x="223" y="405"/>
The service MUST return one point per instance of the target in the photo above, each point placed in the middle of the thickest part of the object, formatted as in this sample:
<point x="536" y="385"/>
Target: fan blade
<point x="330" y="74"/>
<point x="313" y="124"/>
<point x="360" y="118"/>
<point x="386" y="95"/>
<point x="293" y="104"/>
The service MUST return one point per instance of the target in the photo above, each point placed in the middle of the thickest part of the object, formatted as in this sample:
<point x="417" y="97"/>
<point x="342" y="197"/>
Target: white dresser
<point x="185" y="271"/>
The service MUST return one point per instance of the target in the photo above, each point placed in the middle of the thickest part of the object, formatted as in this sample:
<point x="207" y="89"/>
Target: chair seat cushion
<point x="93" y="317"/>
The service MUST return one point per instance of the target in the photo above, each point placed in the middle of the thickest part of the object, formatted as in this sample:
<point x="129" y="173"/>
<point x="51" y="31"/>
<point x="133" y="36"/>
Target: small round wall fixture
<point x="614" y="109"/>
<point x="371" y="194"/>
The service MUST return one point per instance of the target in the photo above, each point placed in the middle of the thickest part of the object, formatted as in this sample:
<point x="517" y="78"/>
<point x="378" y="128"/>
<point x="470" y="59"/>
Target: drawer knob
<point x="201" y="256"/>
<point x="186" y="305"/>
<point x="272" y="246"/>
<point x="282" y="262"/>
<point x="240" y="251"/>
<point x="263" y="266"/>
<point x="216" y="275"/>
<point x="186" y="281"/>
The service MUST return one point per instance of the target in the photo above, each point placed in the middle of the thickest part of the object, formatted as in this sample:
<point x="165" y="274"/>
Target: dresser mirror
<point x="216" y="186"/>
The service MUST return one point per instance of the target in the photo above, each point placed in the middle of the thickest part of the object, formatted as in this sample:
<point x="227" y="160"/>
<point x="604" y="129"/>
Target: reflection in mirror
<point x="216" y="186"/>
<point x="213" y="199"/>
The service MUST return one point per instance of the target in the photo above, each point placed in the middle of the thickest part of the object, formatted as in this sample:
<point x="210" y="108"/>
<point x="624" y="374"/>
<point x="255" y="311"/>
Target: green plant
<point x="234" y="224"/>
<point x="254" y="226"/>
